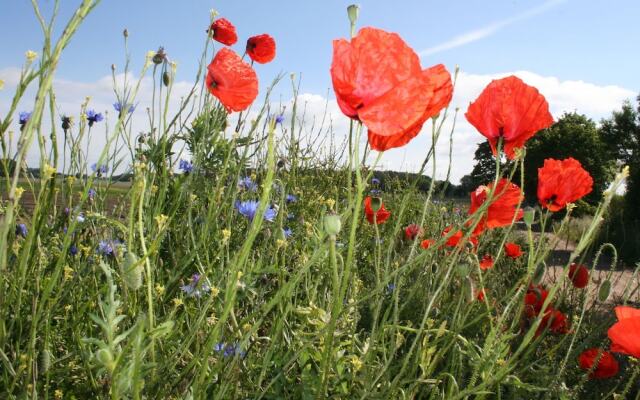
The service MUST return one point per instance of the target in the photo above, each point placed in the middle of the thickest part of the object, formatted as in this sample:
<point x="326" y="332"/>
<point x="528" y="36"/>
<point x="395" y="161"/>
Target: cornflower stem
<point x="143" y="246"/>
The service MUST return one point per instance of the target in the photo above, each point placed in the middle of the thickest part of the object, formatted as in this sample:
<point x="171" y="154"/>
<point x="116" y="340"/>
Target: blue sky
<point x="580" y="54"/>
<point x="586" y="40"/>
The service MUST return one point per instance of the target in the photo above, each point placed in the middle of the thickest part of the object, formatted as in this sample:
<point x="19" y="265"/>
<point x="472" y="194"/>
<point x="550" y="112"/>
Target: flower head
<point x="486" y="262"/>
<point x="378" y="216"/>
<point x="509" y="109"/>
<point x="232" y="81"/>
<point x="554" y="320"/>
<point x="105" y="248"/>
<point x="186" y="166"/>
<point x="279" y="119"/>
<point x="223" y="31"/>
<point x="579" y="275"/>
<point x="379" y="81"/>
<point x="123" y="107"/>
<point x="91" y="194"/>
<point x="249" y="209"/>
<point x="196" y="288"/>
<point x="21" y="230"/>
<point x="261" y="48"/>
<point x="425" y="244"/>
<point x="375" y="181"/>
<point x="512" y="250"/>
<point x="99" y="169"/>
<point x="625" y="334"/>
<point x="287" y="233"/>
<point x="291" y="198"/>
<point x="412" y="231"/>
<point x="561" y="182"/>
<point x="229" y="350"/>
<point x="503" y="209"/>
<point x="93" y="116"/>
<point x="247" y="184"/>
<point x="606" y="367"/>
<point x="24" y="117"/>
<point x="534" y="300"/>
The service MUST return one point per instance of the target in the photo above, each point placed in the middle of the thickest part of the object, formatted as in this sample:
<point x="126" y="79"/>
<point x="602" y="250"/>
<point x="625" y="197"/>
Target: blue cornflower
<point x="105" y="248"/>
<point x="186" y="166"/>
<point x="247" y="184"/>
<point x="375" y="192"/>
<point x="390" y="288"/>
<point x="92" y="194"/>
<point x="287" y="232"/>
<point x="80" y="217"/>
<point x="120" y="107"/>
<point x="194" y="289"/>
<point x="229" y="350"/>
<point x="21" y="230"/>
<point x="99" y="169"/>
<point x="93" y="117"/>
<point x="250" y="207"/>
<point x="375" y="181"/>
<point x="280" y="119"/>
<point x="291" y="198"/>
<point x="73" y="250"/>
<point x="247" y="208"/>
<point x="24" y="117"/>
<point x="270" y="214"/>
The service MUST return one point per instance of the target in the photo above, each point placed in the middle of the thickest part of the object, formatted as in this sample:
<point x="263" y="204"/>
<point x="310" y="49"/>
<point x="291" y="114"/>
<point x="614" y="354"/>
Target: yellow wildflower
<point x="31" y="56"/>
<point x="177" y="302"/>
<point x="68" y="273"/>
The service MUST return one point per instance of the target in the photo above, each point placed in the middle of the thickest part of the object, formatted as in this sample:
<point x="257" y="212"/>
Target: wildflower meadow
<point x="229" y="251"/>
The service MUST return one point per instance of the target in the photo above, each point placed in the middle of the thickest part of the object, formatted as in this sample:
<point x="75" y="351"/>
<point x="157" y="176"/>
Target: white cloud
<point x="488" y="30"/>
<point x="323" y="116"/>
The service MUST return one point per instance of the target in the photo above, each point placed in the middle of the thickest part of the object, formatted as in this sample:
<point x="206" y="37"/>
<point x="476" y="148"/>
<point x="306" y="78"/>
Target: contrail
<point x="489" y="30"/>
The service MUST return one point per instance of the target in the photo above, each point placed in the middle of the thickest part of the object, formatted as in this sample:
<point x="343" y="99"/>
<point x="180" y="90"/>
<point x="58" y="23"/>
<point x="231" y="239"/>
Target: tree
<point x="484" y="171"/>
<point x="621" y="134"/>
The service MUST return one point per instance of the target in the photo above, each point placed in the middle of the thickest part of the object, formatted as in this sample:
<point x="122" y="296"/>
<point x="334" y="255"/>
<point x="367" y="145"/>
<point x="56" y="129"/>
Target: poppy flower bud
<point x="125" y="33"/>
<point x="332" y="224"/>
<point x="159" y="57"/>
<point x="66" y="123"/>
<point x="353" y="11"/>
<point x="166" y="78"/>
<point x="376" y="203"/>
<point x="528" y="216"/>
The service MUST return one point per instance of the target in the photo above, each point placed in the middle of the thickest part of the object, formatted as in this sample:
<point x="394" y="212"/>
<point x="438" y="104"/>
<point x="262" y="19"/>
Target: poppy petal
<point x="232" y="80"/>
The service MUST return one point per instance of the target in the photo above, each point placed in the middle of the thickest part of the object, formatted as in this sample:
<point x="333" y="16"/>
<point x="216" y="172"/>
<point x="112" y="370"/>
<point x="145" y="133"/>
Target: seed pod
<point x="132" y="272"/>
<point x="332" y="224"/>
<point x="605" y="289"/>
<point x="45" y="361"/>
<point x="166" y="78"/>
<point x="159" y="57"/>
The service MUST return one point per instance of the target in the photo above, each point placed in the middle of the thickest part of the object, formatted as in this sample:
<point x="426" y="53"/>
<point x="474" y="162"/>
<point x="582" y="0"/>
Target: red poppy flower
<point x="607" y="365"/>
<point x="224" y="32"/>
<point x="454" y="239"/>
<point x="232" y="80"/>
<point x="511" y="109"/>
<point x="481" y="295"/>
<point x="512" y="250"/>
<point x="381" y="214"/>
<point x="534" y="300"/>
<point x="412" y="231"/>
<point x="425" y="244"/>
<point x="486" y="262"/>
<point x="625" y="334"/>
<point x="579" y="275"/>
<point x="502" y="211"/>
<point x="555" y="321"/>
<point x="261" y="48"/>
<point x="561" y="182"/>
<point x="378" y="80"/>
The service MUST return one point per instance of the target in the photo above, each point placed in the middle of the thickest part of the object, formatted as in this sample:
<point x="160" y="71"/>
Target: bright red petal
<point x="261" y="48"/>
<point x="509" y="108"/>
<point x="232" y="81"/>
<point x="625" y="336"/>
